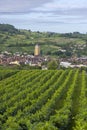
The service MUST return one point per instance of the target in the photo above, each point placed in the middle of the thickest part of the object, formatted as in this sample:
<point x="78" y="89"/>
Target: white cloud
<point x="45" y="14"/>
<point x="20" y="5"/>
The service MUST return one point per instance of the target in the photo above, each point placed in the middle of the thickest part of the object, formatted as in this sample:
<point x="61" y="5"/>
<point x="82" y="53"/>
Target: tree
<point x="52" y="65"/>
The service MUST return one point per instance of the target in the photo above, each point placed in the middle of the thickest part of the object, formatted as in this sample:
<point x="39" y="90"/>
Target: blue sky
<point x="45" y="15"/>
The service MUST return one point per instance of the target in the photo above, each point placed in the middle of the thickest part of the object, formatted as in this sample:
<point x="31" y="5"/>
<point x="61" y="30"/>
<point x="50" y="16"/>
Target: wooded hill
<point x="54" y="44"/>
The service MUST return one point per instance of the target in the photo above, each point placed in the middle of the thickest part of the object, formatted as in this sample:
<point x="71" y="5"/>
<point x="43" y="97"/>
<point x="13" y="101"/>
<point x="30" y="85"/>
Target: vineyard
<point x="43" y="100"/>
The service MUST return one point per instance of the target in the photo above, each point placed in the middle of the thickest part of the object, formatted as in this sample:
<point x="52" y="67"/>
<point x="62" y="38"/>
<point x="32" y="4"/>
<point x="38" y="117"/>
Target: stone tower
<point x="37" y="50"/>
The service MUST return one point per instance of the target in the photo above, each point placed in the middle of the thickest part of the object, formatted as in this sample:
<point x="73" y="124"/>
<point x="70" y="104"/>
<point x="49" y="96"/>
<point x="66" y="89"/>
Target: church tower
<point x="37" y="50"/>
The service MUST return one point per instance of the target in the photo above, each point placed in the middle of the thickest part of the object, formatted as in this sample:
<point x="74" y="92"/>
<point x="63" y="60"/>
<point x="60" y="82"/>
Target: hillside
<point x="54" y="44"/>
<point x="43" y="100"/>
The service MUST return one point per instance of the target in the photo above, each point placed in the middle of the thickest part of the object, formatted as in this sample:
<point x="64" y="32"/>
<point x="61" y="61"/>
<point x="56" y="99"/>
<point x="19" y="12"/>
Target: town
<point x="6" y="58"/>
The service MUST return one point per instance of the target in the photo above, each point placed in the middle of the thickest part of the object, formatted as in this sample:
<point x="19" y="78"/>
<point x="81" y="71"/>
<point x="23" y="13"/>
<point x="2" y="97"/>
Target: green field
<point x="43" y="100"/>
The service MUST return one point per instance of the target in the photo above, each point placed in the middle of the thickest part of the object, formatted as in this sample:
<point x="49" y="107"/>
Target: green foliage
<point x="45" y="126"/>
<point x="81" y="117"/>
<point x="52" y="65"/>
<point x="43" y="100"/>
<point x="8" y="28"/>
<point x="7" y="73"/>
<point x="11" y="124"/>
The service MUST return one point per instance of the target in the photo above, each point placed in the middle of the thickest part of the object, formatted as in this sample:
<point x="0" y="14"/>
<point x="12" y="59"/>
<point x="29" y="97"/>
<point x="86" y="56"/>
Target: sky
<point x="60" y="16"/>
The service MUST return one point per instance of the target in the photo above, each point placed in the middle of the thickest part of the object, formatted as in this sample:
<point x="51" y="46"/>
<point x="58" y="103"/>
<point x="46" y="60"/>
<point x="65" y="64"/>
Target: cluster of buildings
<point x="17" y="59"/>
<point x="69" y="65"/>
<point x="74" y="62"/>
<point x="36" y="60"/>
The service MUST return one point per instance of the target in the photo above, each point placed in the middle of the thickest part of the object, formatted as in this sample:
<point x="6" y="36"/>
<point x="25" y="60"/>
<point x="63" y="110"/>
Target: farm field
<point x="43" y="100"/>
